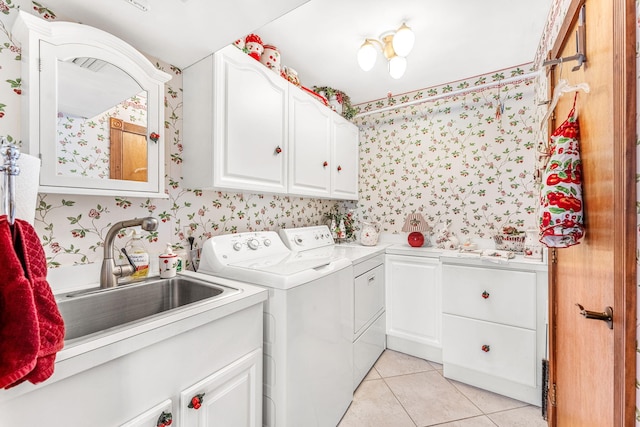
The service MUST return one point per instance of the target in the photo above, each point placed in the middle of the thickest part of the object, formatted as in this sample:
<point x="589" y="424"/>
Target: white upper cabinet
<point x="248" y="129"/>
<point x="310" y="145"/>
<point x="235" y="134"/>
<point x="93" y="110"/>
<point x="344" y="170"/>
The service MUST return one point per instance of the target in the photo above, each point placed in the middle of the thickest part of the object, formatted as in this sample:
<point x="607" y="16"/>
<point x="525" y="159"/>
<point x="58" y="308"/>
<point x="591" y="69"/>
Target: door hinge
<point x="552" y="395"/>
<point x="554" y="256"/>
<point x="40" y="64"/>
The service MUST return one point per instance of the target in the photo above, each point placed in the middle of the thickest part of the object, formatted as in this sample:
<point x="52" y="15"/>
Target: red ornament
<point x="485" y="295"/>
<point x="154" y="137"/>
<point x="486" y="348"/>
<point x="415" y="239"/>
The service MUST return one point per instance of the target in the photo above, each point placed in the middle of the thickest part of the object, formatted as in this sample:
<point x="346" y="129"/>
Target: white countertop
<point x="468" y="258"/>
<point x="358" y="253"/>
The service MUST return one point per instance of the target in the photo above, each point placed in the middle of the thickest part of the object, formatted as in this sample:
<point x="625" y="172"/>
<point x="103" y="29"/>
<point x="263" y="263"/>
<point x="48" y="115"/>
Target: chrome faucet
<point x="110" y="271"/>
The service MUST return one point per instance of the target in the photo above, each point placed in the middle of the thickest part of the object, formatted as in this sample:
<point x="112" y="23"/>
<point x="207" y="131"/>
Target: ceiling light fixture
<point x="395" y="46"/>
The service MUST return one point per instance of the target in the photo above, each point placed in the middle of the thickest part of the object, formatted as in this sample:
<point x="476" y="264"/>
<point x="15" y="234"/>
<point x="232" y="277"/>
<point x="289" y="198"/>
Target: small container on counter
<point x="168" y="263"/>
<point x="138" y="255"/>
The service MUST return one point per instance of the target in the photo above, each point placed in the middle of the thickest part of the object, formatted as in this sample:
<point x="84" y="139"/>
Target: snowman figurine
<point x="253" y="45"/>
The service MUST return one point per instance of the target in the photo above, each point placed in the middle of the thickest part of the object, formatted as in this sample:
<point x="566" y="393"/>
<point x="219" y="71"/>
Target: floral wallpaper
<point x="84" y="143"/>
<point x="72" y="228"/>
<point x="463" y="161"/>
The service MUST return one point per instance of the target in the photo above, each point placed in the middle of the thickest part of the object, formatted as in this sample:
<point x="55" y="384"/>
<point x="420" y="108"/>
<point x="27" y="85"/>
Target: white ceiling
<point x="455" y="39"/>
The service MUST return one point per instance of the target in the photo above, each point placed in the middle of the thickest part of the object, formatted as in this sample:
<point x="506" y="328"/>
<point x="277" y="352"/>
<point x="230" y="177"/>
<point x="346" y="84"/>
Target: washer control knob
<point x="267" y="242"/>
<point x="298" y="240"/>
<point x="237" y="246"/>
<point x="253" y="244"/>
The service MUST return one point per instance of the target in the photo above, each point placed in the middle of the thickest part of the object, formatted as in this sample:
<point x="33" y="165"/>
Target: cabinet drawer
<point x="368" y="264"/>
<point x="510" y="352"/>
<point x="368" y="297"/>
<point x="503" y="296"/>
<point x="367" y="348"/>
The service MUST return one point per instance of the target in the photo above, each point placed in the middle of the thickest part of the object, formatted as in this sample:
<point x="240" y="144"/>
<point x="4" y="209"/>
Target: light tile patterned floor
<point x="402" y="390"/>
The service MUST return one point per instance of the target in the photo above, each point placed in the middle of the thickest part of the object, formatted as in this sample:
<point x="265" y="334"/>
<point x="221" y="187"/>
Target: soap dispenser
<point x="138" y="255"/>
<point x="168" y="262"/>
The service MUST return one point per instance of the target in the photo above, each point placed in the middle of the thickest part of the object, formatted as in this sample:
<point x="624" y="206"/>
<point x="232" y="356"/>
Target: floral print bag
<point x="562" y="211"/>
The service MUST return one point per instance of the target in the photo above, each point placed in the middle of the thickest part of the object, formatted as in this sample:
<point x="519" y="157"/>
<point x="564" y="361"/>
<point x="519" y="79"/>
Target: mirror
<point x="102" y="122"/>
<point x="94" y="110"/>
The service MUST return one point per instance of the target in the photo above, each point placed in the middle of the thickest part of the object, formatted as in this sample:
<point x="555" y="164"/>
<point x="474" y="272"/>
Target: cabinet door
<point x="344" y="166"/>
<point x="231" y="396"/>
<point x="250" y="129"/>
<point x="413" y="306"/>
<point x="309" y="145"/>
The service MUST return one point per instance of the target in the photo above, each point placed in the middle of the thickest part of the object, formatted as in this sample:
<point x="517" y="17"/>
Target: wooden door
<point x="592" y="372"/>
<point x="128" y="155"/>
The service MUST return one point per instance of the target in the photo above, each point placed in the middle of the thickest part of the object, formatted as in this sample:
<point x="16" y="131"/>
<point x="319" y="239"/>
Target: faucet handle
<point x="124" y="251"/>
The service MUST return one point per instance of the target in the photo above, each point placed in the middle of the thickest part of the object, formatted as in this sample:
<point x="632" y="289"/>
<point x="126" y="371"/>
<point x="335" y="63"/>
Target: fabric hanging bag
<point x="561" y="207"/>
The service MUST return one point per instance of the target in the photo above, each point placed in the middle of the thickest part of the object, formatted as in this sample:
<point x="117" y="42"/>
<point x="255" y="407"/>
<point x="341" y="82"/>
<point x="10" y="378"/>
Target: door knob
<point x="606" y="315"/>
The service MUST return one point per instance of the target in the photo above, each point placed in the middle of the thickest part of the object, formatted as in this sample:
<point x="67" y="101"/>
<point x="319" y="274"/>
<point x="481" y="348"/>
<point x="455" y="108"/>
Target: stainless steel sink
<point x="94" y="311"/>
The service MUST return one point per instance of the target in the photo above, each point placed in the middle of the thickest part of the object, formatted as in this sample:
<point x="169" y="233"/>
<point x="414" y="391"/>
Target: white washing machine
<point x="308" y="321"/>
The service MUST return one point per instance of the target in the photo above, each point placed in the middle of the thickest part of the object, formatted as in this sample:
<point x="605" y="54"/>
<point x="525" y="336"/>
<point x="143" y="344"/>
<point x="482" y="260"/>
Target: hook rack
<point x="580" y="46"/>
<point x="11" y="153"/>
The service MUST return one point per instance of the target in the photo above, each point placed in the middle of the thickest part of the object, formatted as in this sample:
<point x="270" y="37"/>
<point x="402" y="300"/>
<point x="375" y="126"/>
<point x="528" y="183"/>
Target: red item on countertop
<point x="48" y="329"/>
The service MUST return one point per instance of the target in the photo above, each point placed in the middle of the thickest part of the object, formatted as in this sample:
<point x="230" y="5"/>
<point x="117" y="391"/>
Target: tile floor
<point x="402" y="390"/>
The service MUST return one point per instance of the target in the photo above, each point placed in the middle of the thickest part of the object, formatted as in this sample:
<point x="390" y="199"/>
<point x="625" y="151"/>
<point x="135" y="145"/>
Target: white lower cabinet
<point x="230" y="397"/>
<point x="494" y="328"/>
<point x="413" y="306"/>
<point x="221" y="358"/>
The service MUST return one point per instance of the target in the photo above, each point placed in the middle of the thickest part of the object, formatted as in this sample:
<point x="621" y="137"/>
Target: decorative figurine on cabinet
<point x="446" y="239"/>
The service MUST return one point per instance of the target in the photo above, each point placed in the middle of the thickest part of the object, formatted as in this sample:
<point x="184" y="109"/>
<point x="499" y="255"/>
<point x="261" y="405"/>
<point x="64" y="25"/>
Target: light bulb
<point x="397" y="66"/>
<point x="403" y="40"/>
<point x="367" y="55"/>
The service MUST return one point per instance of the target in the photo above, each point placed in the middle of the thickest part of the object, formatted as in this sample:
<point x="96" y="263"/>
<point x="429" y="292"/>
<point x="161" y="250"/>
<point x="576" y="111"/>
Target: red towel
<point x="19" y="332"/>
<point x="50" y="321"/>
<point x="49" y="326"/>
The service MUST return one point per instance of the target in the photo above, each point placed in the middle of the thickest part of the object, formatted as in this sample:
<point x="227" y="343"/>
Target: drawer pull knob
<point x="485" y="295"/>
<point x="165" y="419"/>
<point x="196" y="401"/>
<point x="486" y="348"/>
